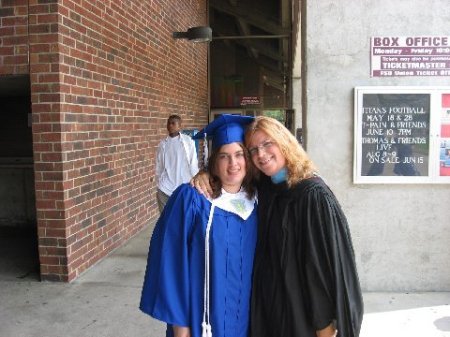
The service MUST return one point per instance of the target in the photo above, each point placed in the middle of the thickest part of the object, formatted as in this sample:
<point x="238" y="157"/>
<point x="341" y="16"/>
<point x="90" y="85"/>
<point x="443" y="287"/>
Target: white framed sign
<point x="402" y="135"/>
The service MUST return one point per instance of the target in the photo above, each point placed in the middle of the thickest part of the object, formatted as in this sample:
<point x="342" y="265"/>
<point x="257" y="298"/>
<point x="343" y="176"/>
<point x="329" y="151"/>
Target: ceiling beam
<point x="245" y="30"/>
<point x="250" y="16"/>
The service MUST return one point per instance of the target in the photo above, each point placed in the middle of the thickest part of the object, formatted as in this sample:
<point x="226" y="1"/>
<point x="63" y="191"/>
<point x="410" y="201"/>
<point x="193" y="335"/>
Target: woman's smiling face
<point x="231" y="167"/>
<point x="265" y="153"/>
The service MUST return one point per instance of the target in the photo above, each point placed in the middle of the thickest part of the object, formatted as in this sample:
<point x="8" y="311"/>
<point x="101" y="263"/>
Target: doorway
<point x="18" y="228"/>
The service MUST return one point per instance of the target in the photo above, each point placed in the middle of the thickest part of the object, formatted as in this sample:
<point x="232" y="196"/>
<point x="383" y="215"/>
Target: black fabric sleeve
<point x="318" y="259"/>
<point x="333" y="289"/>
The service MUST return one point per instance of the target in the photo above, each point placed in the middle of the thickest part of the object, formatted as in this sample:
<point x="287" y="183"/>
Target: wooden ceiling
<point x="263" y="28"/>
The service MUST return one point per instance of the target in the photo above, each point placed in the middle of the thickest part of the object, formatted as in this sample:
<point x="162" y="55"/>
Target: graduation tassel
<point x="205" y="152"/>
<point x="206" y="330"/>
<point x="203" y="329"/>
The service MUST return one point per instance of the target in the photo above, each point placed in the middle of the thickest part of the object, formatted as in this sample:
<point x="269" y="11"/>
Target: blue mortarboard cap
<point x="225" y="129"/>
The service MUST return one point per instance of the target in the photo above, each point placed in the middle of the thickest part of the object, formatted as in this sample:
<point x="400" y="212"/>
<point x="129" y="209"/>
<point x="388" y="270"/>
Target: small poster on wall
<point x="402" y="135"/>
<point x="444" y="149"/>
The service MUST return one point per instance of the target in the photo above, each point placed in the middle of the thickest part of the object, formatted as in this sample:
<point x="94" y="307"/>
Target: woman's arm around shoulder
<point x="201" y="183"/>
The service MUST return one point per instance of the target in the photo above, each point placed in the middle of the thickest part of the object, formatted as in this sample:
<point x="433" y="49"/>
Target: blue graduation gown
<point x="174" y="279"/>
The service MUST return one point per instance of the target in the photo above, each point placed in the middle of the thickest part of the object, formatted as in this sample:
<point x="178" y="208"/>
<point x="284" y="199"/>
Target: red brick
<point x="101" y="91"/>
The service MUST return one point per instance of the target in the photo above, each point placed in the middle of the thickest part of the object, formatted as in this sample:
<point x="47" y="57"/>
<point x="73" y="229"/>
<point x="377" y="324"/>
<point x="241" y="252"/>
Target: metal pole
<point x="250" y="37"/>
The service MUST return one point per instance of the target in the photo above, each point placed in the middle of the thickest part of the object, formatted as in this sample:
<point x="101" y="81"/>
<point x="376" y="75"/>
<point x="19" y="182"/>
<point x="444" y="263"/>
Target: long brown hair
<point x="298" y="163"/>
<point x="249" y="180"/>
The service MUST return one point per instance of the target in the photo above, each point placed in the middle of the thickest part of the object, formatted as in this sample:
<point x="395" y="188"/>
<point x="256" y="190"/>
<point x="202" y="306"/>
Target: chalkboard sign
<point x="396" y="134"/>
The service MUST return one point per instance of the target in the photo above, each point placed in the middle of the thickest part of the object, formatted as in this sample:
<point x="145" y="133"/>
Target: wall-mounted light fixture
<point x="195" y="34"/>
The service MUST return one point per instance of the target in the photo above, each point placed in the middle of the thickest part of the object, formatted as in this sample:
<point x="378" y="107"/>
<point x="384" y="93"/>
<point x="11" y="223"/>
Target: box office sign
<point x="402" y="135"/>
<point x="410" y="56"/>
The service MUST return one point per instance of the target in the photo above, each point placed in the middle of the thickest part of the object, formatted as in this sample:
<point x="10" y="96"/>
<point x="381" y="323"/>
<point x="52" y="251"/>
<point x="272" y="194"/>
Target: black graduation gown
<point x="304" y="273"/>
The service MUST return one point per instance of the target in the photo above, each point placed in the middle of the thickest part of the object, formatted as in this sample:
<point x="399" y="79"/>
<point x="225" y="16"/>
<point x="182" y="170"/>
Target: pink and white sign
<point x="410" y="56"/>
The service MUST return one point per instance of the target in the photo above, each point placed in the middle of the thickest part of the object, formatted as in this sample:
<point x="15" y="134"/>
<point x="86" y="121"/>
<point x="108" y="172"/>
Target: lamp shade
<point x="195" y="34"/>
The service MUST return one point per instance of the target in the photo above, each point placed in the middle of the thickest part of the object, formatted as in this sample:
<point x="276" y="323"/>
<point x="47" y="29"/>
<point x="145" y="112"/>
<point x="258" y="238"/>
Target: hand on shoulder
<point x="201" y="183"/>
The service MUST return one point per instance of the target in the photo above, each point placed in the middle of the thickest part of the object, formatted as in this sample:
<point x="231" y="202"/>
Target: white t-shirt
<point x="173" y="167"/>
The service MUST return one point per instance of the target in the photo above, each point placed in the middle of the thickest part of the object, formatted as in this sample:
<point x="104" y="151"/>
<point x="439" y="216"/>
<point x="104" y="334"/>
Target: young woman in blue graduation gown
<point x="198" y="276"/>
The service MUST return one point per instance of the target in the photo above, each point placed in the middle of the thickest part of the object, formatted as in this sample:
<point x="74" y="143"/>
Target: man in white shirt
<point x="176" y="161"/>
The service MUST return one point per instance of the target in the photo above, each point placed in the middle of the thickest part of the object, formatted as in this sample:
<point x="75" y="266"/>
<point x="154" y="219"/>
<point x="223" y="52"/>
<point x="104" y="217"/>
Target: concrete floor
<point x="104" y="300"/>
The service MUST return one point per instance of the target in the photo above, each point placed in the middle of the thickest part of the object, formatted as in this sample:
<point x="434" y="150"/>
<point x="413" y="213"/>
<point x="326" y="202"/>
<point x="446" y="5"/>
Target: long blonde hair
<point x="298" y="164"/>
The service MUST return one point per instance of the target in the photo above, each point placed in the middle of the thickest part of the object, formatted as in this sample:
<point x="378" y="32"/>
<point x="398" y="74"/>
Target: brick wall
<point x="14" y="37"/>
<point x="104" y="77"/>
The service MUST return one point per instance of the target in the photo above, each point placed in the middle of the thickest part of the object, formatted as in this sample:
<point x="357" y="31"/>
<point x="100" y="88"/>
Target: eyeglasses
<point x="229" y="156"/>
<point x="263" y="146"/>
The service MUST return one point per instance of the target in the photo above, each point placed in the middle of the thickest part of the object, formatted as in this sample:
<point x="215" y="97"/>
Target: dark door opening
<point x="18" y="228"/>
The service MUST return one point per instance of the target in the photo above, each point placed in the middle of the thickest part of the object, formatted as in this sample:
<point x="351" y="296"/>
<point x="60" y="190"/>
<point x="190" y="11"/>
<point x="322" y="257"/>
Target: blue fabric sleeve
<point x="165" y="293"/>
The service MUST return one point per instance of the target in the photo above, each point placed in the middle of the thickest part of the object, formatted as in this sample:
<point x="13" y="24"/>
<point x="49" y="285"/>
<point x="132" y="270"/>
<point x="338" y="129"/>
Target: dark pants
<point x="161" y="198"/>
